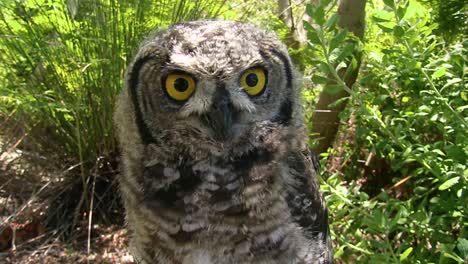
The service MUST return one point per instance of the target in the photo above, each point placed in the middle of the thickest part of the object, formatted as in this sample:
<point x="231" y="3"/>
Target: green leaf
<point x="378" y="19"/>
<point x="463" y="96"/>
<point x="453" y="81"/>
<point x="420" y="189"/>
<point x="312" y="34"/>
<point x="398" y="31"/>
<point x="319" y="16"/>
<point x="310" y="10"/>
<point x="351" y="68"/>
<point x="438" y="151"/>
<point x="325" y="3"/>
<point x="367" y="78"/>
<point x="337" y="40"/>
<point x="401" y="11"/>
<point x="332" y="21"/>
<point x="453" y="256"/>
<point x="449" y="183"/>
<point x="341" y="65"/>
<point x="319" y="79"/>
<point x="456" y="153"/>
<point x="439" y="73"/>
<point x="333" y="89"/>
<point x="463" y="247"/>
<point x="406" y="253"/>
<point x="384" y="28"/>
<point x="321" y="65"/>
<point x="345" y="52"/>
<point x="390" y="3"/>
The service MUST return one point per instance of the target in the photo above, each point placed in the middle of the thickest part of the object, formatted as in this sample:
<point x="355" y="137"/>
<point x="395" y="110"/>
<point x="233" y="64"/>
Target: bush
<point x="401" y="195"/>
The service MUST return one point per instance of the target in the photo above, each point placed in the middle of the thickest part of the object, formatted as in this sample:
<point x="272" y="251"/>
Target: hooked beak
<point x="221" y="116"/>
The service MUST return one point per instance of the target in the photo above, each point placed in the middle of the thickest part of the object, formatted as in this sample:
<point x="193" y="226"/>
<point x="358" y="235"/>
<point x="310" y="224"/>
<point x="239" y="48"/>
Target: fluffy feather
<point x="196" y="195"/>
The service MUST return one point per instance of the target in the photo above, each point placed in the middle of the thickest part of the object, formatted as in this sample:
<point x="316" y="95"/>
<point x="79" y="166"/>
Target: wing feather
<point x="307" y="203"/>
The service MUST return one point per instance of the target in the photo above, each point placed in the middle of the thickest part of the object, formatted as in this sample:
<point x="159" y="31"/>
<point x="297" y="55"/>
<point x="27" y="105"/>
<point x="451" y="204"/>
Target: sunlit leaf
<point x="449" y="183"/>
<point x="453" y="81"/>
<point x="463" y="96"/>
<point x="406" y="253"/>
<point x="439" y="73"/>
<point x="341" y="65"/>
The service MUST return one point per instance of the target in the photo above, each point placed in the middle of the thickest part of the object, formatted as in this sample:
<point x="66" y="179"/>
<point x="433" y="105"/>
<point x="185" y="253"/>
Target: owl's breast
<point x="232" y="206"/>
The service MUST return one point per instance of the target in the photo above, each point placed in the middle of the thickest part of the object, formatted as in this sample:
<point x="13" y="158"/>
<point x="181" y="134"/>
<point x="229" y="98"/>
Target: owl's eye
<point x="179" y="86"/>
<point x="254" y="81"/>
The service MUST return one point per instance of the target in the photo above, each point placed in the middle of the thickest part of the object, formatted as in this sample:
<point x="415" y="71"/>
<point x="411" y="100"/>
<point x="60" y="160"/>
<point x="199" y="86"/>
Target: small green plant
<point x="409" y="111"/>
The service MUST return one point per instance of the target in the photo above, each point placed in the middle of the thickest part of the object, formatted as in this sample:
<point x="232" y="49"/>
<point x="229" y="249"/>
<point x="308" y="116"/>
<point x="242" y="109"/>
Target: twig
<point x="24" y="206"/>
<point x="10" y="149"/>
<point x="90" y="217"/>
<point x="400" y="182"/>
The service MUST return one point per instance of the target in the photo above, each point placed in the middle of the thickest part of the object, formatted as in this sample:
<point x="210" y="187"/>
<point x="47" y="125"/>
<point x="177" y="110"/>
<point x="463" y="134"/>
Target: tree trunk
<point x="325" y="121"/>
<point x="285" y="13"/>
<point x="296" y="37"/>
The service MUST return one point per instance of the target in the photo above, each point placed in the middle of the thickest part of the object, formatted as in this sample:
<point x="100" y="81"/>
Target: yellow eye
<point x="179" y="86"/>
<point x="254" y="81"/>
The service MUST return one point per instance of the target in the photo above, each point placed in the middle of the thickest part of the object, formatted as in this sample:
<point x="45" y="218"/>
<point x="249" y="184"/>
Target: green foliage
<point x="410" y="111"/>
<point x="332" y="48"/>
<point x="62" y="64"/>
<point x="451" y="17"/>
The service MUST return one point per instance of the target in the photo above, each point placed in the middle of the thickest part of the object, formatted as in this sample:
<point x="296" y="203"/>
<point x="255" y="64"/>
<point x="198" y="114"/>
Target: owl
<point x="216" y="169"/>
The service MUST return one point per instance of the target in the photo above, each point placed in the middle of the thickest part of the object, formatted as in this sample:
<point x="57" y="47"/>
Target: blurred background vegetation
<point x="385" y="89"/>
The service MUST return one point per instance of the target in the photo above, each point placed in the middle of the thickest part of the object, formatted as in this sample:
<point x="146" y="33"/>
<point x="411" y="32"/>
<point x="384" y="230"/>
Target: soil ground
<point x="28" y="185"/>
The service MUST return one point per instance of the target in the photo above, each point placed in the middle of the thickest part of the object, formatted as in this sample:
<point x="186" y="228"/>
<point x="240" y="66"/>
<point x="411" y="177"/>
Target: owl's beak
<point x="221" y="116"/>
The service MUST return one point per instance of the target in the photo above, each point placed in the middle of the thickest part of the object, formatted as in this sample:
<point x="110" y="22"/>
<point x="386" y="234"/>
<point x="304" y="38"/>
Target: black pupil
<point x="181" y="84"/>
<point x="251" y="79"/>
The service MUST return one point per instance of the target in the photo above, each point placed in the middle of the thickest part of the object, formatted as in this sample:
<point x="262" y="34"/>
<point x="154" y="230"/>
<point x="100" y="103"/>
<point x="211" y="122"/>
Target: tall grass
<point x="62" y="64"/>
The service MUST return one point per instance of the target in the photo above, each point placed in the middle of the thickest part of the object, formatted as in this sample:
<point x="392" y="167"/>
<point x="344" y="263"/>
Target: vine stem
<point x="334" y="73"/>
<point x="389" y="244"/>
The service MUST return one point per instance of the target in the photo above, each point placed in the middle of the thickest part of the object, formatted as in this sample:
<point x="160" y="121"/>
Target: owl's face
<point x="213" y="79"/>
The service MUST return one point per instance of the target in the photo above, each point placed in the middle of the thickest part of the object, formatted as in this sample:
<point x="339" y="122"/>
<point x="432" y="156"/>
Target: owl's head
<point x="210" y="79"/>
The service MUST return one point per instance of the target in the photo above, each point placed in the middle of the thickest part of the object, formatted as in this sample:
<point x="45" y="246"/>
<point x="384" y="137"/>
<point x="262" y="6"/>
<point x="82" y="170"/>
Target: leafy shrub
<point x="409" y="110"/>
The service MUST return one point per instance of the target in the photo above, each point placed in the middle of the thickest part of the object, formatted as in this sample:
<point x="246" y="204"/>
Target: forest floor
<point x="28" y="185"/>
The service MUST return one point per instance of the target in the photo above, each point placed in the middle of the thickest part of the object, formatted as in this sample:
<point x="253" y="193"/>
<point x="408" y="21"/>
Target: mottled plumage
<point x="215" y="163"/>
